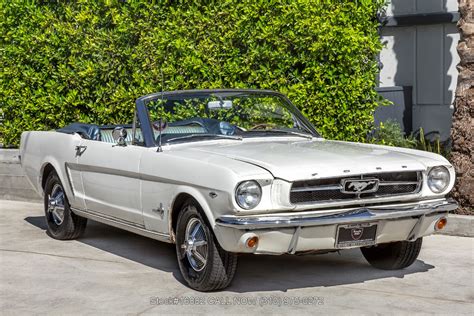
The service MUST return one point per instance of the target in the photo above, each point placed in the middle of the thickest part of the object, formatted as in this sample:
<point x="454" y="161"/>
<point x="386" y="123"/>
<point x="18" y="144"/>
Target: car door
<point x="111" y="180"/>
<point x="156" y="190"/>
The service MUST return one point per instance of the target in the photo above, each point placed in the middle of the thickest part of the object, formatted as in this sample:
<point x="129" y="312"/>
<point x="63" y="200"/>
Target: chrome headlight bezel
<point x="438" y="179"/>
<point x="248" y="194"/>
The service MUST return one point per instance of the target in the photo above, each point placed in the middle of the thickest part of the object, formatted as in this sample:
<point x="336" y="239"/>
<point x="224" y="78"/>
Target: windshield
<point x="196" y="116"/>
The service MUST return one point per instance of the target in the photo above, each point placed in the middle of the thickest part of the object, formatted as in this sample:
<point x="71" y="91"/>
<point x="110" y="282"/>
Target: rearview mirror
<point x="223" y="104"/>
<point x="120" y="134"/>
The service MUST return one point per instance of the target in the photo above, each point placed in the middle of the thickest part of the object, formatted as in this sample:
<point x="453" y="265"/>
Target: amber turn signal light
<point x="441" y="223"/>
<point x="252" y="242"/>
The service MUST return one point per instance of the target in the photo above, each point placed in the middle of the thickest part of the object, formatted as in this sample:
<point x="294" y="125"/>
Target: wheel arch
<point x="178" y="203"/>
<point x="49" y="165"/>
<point x="46" y="170"/>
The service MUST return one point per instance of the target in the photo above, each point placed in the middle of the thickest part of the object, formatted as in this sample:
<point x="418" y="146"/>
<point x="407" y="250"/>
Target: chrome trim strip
<point x="122" y="173"/>
<point x="69" y="181"/>
<point x="357" y="215"/>
<point x="131" y="227"/>
<point x="317" y="188"/>
<point x="398" y="183"/>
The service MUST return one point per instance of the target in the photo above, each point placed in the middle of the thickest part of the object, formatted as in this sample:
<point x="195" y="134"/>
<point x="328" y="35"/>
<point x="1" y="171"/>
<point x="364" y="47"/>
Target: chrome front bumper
<point x="344" y="216"/>
<point x="317" y="229"/>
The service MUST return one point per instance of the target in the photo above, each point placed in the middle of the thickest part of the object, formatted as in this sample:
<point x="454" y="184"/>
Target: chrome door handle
<point x="80" y="150"/>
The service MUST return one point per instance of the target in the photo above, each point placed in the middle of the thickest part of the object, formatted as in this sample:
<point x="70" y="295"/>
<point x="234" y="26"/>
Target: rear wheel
<point x="61" y="222"/>
<point x="393" y="256"/>
<point x="203" y="263"/>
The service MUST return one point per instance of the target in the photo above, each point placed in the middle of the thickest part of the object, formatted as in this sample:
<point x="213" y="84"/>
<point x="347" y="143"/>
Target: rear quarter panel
<point x="38" y="149"/>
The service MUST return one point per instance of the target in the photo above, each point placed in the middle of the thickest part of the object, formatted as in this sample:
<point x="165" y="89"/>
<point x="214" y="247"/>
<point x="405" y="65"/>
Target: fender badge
<point x="160" y="210"/>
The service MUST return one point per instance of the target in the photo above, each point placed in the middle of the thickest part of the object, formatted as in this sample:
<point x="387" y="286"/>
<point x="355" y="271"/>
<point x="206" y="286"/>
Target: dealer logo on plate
<point x="356" y="233"/>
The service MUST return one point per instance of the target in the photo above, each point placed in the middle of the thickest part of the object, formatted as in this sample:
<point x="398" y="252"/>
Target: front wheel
<point x="394" y="255"/>
<point x="203" y="263"/>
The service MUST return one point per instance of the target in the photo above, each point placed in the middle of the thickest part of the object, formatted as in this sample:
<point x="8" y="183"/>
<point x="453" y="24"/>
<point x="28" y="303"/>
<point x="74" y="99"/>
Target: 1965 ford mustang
<point x="222" y="172"/>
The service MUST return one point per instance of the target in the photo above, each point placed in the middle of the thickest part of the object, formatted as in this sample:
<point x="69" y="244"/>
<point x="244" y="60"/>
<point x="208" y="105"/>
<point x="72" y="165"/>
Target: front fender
<point x="200" y="197"/>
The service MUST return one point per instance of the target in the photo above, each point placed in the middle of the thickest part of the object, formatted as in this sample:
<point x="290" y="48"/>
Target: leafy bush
<point x="64" y="61"/>
<point x="390" y="133"/>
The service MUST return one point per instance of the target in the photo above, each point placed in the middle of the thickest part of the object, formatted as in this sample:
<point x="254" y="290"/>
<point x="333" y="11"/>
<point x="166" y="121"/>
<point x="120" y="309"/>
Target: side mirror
<point x="120" y="134"/>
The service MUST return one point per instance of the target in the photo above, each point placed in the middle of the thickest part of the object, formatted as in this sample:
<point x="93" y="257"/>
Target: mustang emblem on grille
<point x="359" y="185"/>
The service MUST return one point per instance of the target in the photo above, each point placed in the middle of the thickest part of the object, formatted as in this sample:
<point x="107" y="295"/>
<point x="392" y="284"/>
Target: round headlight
<point x="438" y="179"/>
<point x="248" y="194"/>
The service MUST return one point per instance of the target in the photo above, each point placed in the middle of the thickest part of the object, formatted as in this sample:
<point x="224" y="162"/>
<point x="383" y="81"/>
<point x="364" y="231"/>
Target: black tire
<point x="219" y="269"/>
<point x="393" y="256"/>
<point x="71" y="226"/>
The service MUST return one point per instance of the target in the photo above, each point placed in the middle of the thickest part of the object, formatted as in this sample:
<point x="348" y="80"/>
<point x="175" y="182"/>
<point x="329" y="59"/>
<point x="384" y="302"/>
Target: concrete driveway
<point x="109" y="271"/>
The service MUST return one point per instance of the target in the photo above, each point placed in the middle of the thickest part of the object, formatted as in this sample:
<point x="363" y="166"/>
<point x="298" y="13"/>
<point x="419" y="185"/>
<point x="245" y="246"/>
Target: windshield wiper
<point x="282" y="131"/>
<point x="204" y="136"/>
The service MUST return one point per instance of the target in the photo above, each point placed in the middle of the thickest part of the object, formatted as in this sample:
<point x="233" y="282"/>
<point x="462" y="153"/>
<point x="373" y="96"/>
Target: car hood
<point x="292" y="159"/>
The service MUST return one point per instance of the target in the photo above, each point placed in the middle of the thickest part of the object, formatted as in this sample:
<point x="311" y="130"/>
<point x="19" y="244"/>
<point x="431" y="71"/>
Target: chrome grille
<point x="328" y="190"/>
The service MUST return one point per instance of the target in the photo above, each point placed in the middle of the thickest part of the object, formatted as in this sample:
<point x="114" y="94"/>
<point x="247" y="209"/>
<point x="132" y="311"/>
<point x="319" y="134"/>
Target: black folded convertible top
<point x="87" y="131"/>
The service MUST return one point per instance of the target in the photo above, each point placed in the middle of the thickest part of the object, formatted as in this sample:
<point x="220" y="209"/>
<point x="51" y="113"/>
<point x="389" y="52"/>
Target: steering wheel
<point x="261" y="126"/>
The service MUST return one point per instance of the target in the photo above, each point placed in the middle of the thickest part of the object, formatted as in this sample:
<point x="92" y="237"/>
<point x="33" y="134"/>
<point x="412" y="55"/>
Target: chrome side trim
<point x="357" y="215"/>
<point x="131" y="227"/>
<point x="69" y="181"/>
<point x="121" y="173"/>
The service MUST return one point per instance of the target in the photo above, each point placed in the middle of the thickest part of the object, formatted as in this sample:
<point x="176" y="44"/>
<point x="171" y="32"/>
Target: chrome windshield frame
<point x="143" y="116"/>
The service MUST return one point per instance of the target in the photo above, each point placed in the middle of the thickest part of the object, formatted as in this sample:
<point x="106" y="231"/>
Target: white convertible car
<point x="223" y="172"/>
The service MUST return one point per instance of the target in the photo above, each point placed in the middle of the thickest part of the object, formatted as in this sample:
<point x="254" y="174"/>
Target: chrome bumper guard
<point x="354" y="215"/>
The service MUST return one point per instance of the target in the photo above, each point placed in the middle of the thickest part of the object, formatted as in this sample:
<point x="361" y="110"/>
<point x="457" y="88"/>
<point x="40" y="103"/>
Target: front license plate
<point x="356" y="235"/>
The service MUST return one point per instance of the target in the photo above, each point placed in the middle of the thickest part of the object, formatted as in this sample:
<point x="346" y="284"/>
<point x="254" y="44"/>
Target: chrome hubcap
<point x="56" y="204"/>
<point x="195" y="244"/>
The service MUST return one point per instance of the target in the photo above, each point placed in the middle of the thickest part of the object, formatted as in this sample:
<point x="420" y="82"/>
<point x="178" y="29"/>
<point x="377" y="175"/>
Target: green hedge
<point x="87" y="61"/>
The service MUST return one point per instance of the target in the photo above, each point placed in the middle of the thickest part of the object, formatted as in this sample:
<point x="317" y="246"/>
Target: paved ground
<point x="113" y="272"/>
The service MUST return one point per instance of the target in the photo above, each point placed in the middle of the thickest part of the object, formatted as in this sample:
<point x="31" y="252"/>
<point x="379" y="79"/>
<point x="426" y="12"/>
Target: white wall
<point x="401" y="7"/>
<point x="425" y="57"/>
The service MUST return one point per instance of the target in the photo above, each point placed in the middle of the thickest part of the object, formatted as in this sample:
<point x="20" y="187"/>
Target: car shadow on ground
<point x="254" y="273"/>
